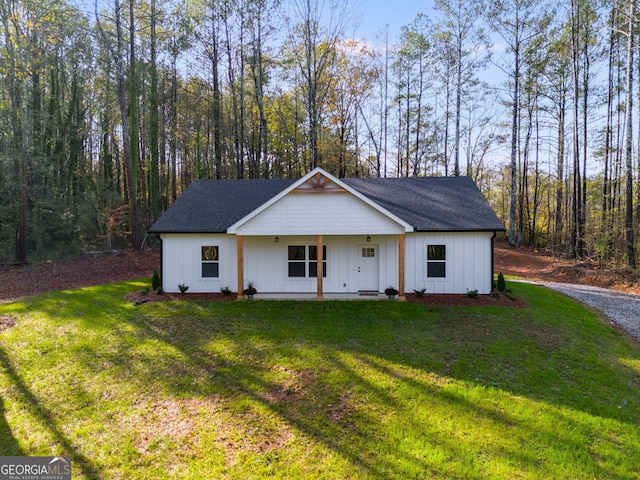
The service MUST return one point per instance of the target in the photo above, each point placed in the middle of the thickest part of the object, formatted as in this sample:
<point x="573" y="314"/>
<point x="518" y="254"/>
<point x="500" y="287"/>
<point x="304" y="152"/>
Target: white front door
<point x="368" y="265"/>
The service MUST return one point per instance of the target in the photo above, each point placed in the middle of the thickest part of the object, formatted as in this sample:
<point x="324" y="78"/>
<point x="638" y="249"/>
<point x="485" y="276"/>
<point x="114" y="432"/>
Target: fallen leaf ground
<point x="82" y="271"/>
<point x="532" y="265"/>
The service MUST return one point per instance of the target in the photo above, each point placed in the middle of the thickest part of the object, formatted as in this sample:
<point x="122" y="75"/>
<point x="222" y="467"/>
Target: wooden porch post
<point x="401" y="239"/>
<point x="240" y="249"/>
<point x="320" y="269"/>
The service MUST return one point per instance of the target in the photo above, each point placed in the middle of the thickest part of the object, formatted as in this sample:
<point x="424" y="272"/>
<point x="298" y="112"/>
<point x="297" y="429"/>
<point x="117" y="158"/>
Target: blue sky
<point x="374" y="14"/>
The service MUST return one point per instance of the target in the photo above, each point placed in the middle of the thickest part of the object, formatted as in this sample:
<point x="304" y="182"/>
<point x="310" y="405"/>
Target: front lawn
<point x="363" y="389"/>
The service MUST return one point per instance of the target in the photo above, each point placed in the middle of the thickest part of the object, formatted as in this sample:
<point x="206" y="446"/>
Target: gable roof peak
<point x="315" y="180"/>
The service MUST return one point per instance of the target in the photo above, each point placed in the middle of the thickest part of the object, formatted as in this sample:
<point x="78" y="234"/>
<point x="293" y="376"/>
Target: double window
<point x="436" y="261"/>
<point x="210" y="261"/>
<point x="303" y="261"/>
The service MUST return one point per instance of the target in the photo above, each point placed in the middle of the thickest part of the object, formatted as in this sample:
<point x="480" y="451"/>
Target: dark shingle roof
<point x="432" y="203"/>
<point x="212" y="206"/>
<point x="427" y="203"/>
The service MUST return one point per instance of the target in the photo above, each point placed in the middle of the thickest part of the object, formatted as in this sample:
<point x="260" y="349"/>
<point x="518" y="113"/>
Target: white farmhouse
<point x="321" y="234"/>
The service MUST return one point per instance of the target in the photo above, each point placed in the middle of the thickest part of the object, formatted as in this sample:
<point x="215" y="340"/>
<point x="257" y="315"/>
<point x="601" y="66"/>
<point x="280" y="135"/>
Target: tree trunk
<point x="456" y="142"/>
<point x="154" y="171"/>
<point x="134" y="128"/>
<point x="576" y="229"/>
<point x="18" y="148"/>
<point x="515" y="113"/>
<point x="560" y="167"/>
<point x="217" y="103"/>
<point x="628" y="150"/>
<point x="257" y="70"/>
<point x="608" y="128"/>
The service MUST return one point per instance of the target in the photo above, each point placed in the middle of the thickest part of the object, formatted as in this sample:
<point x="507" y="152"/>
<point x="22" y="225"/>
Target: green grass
<point x="361" y="390"/>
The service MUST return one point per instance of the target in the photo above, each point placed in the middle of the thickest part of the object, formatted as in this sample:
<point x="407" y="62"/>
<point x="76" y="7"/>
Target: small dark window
<point x="436" y="252"/>
<point x="297" y="260"/>
<point x="436" y="261"/>
<point x="210" y="261"/>
<point x="296" y="269"/>
<point x="436" y="269"/>
<point x="368" y="252"/>
<point x="210" y="270"/>
<point x="297" y="252"/>
<point x="313" y="261"/>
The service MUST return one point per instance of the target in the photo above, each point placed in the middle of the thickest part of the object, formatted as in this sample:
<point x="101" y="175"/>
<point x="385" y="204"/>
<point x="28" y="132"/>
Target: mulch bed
<point x="434" y="300"/>
<point x="441" y="300"/>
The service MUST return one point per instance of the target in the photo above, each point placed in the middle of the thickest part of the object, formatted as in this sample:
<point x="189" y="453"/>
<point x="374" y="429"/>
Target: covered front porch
<point x="321" y="266"/>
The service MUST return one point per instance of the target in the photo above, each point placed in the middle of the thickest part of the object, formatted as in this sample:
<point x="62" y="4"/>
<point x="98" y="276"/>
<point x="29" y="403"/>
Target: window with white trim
<point x="303" y="261"/>
<point x="436" y="261"/>
<point x="210" y="261"/>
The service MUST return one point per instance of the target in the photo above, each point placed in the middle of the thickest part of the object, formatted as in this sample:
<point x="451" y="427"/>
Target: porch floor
<point x="312" y="296"/>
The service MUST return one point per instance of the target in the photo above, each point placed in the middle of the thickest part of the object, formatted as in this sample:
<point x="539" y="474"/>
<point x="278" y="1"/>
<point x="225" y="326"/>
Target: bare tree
<point x="517" y="22"/>
<point x="470" y="53"/>
<point x="320" y="28"/>
<point x="628" y="142"/>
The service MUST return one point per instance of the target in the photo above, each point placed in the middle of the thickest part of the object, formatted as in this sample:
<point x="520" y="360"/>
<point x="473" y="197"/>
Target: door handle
<point x="358" y="269"/>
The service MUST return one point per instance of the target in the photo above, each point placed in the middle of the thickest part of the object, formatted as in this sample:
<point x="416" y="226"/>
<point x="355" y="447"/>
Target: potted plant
<point x="250" y="291"/>
<point x="391" y="293"/>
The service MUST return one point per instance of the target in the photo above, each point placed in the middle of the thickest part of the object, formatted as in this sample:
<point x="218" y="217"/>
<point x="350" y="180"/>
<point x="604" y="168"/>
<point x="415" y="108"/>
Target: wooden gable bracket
<point x="318" y="183"/>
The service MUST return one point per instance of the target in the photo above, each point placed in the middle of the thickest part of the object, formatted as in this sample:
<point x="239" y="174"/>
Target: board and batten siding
<point x="182" y="262"/>
<point x="468" y="262"/>
<point x="266" y="263"/>
<point x="316" y="213"/>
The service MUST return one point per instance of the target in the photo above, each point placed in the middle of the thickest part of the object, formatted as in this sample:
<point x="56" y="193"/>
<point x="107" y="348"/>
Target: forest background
<point x="109" y="110"/>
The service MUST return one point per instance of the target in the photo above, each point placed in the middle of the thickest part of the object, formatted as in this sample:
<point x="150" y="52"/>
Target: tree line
<point x="108" y="111"/>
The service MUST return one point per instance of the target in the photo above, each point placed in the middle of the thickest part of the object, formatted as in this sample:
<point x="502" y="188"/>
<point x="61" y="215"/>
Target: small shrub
<point x="226" y="291"/>
<point x="182" y="287"/>
<point x="155" y="280"/>
<point x="472" y="293"/>
<point x="144" y="291"/>
<point x="420" y="293"/>
<point x="502" y="285"/>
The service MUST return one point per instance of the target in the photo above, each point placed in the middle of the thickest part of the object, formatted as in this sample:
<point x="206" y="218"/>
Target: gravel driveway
<point x="621" y="308"/>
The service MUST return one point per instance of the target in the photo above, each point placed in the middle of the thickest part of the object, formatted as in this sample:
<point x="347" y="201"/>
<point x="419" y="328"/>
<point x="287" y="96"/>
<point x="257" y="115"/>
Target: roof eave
<point x="208" y="232"/>
<point x="460" y="230"/>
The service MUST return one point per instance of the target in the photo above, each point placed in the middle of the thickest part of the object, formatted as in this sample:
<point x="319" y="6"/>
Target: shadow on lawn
<point x="339" y="416"/>
<point x="9" y="446"/>
<point x="43" y="416"/>
<point x="233" y="350"/>
<point x="306" y="403"/>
